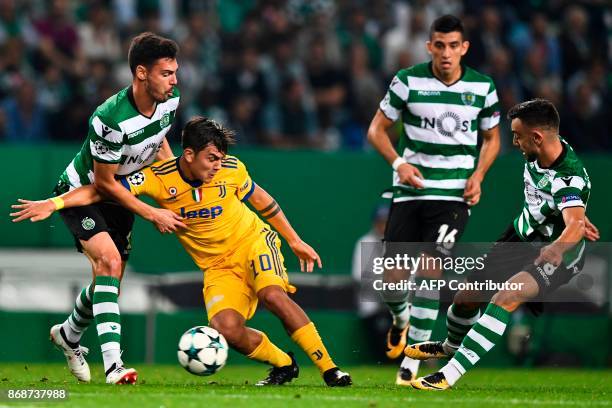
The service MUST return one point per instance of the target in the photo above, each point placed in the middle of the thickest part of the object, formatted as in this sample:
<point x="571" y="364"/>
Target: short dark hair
<point x="536" y="113"/>
<point x="199" y="132"/>
<point x="446" y="24"/>
<point x="146" y="48"/>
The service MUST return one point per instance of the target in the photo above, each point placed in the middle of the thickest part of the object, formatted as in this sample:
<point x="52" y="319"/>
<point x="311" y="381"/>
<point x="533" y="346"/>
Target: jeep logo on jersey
<point x="144" y="157"/>
<point x="165" y="120"/>
<point x="468" y="98"/>
<point x="100" y="148"/>
<point x="447" y="124"/>
<point x="212" y="212"/>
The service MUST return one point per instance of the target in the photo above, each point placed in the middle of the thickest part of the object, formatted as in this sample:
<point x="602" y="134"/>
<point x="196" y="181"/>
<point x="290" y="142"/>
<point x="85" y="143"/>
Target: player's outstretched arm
<point x="488" y="153"/>
<point x="269" y="209"/>
<point x="42" y="209"/>
<point x="574" y="231"/>
<point x="105" y="183"/>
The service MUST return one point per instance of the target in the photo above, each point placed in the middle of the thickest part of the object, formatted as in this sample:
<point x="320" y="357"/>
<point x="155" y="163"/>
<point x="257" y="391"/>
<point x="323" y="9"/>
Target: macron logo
<point x="428" y="93"/>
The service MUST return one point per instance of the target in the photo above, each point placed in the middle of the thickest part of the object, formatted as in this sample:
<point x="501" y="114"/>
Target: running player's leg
<point x="269" y="280"/>
<point x="250" y="342"/>
<point x="66" y="336"/>
<point x="442" y="225"/>
<point x="107" y="266"/>
<point x="502" y="261"/>
<point x="484" y="335"/>
<point x="403" y="225"/>
<point x="534" y="281"/>
<point x="73" y="328"/>
<point x="115" y="224"/>
<point x="460" y="317"/>
<point x="229" y="303"/>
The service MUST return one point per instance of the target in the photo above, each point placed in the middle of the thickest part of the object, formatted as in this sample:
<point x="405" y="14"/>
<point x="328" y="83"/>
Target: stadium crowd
<point x="296" y="73"/>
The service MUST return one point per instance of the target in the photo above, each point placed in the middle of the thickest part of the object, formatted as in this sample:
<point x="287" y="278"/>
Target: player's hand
<point x="472" y="191"/>
<point x="32" y="210"/>
<point x="590" y="230"/>
<point x="410" y="175"/>
<point x="166" y="221"/>
<point x="551" y="254"/>
<point x="306" y="255"/>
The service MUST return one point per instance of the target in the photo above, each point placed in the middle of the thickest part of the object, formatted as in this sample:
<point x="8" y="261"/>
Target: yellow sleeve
<point x="244" y="183"/>
<point x="143" y="182"/>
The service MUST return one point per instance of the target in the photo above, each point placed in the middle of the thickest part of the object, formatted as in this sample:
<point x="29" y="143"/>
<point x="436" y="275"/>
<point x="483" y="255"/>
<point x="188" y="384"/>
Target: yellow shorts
<point x="234" y="284"/>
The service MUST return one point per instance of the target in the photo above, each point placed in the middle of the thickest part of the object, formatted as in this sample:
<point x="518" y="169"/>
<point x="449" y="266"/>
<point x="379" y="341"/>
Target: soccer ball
<point x="202" y="350"/>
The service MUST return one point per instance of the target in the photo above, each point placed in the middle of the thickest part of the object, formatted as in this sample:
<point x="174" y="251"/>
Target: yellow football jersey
<point x="216" y="215"/>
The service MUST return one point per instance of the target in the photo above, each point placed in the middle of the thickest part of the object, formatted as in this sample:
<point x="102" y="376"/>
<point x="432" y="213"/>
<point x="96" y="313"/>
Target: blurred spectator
<point x="54" y="93"/>
<point x="98" y="75"/>
<point x="586" y="123"/>
<point x="540" y="40"/>
<point x="486" y="38"/>
<point x="291" y="122"/>
<point x="246" y="78"/>
<point x="58" y="41"/>
<point x="282" y="65"/>
<point x="500" y="68"/>
<point x="404" y="45"/>
<point x="232" y="13"/>
<point x="534" y="72"/>
<point x="354" y="31"/>
<point x="575" y="41"/>
<point x="13" y="65"/>
<point x="205" y="104"/>
<point x="244" y="119"/>
<point x="98" y="38"/>
<point x="201" y="29"/>
<point x="190" y="74"/>
<point x="321" y="25"/>
<point x="236" y="56"/>
<point x="12" y="24"/>
<point x="24" y="118"/>
<point x="365" y="93"/>
<point x="328" y="84"/>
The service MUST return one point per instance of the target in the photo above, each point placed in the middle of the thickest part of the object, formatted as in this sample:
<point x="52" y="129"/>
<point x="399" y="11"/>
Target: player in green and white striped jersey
<point x="557" y="189"/>
<point x="127" y="132"/>
<point x="443" y="106"/>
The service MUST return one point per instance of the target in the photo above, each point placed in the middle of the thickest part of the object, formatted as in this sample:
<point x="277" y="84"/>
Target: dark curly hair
<point x="199" y="132"/>
<point x="536" y="113"/>
<point x="146" y="48"/>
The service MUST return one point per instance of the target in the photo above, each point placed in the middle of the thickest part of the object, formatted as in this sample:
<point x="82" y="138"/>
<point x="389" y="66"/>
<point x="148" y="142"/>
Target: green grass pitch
<point x="171" y="386"/>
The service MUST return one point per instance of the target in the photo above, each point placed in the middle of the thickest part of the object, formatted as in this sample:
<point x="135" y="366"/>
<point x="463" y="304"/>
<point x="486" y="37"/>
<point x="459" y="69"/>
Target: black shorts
<point x="510" y="255"/>
<point x="87" y="221"/>
<point x="438" y="224"/>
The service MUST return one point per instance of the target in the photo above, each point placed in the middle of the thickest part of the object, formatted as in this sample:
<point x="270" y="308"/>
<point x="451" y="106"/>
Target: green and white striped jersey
<point x="439" y="128"/>
<point x="118" y="133"/>
<point x="547" y="192"/>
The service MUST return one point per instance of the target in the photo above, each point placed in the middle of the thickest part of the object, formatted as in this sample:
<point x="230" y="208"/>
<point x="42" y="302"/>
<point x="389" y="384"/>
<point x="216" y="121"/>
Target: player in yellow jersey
<point x="238" y="252"/>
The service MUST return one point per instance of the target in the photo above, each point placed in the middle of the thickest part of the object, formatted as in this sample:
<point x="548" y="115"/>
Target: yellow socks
<point x="268" y="353"/>
<point x="309" y="340"/>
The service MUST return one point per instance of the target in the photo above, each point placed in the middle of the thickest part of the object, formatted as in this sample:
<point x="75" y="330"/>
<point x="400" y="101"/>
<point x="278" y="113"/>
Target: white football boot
<point x="122" y="375"/>
<point x="74" y="357"/>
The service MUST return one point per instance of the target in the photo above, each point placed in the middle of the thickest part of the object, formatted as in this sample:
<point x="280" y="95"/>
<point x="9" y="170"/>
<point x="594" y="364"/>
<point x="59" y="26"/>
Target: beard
<point x="157" y="97"/>
<point x="531" y="157"/>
